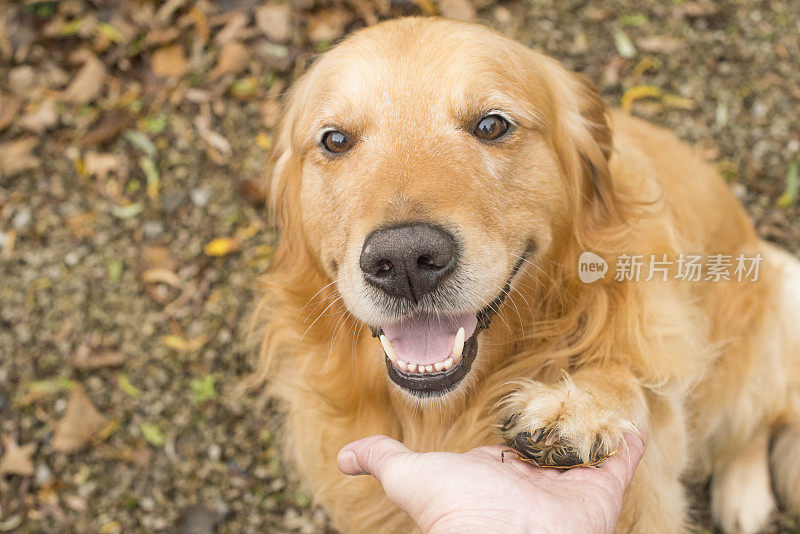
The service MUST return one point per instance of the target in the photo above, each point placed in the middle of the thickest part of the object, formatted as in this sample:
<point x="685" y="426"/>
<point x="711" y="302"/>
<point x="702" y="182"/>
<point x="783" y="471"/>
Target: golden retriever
<point x="436" y="186"/>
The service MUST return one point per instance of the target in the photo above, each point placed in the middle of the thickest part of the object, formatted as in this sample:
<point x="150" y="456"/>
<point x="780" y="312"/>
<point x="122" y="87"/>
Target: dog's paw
<point x="559" y="425"/>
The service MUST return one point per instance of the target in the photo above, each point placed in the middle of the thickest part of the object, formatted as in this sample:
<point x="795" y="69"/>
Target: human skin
<point x="476" y="492"/>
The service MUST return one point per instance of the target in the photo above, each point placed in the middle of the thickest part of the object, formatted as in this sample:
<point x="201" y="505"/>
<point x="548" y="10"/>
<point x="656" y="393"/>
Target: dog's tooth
<point x="458" y="345"/>
<point x="388" y="349"/>
<point x="401" y="365"/>
<point x="429" y="368"/>
<point x="412" y="367"/>
<point x="448" y="364"/>
<point x="439" y="366"/>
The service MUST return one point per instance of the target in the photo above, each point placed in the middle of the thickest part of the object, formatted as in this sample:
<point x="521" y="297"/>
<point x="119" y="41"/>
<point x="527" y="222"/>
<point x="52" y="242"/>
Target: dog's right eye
<point x="335" y="142"/>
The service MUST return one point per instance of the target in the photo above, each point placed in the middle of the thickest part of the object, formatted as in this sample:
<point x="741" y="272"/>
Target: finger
<point x="369" y="455"/>
<point x="623" y="465"/>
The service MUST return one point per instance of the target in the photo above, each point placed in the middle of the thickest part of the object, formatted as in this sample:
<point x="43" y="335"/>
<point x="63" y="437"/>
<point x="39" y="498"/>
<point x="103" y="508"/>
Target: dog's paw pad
<point x="546" y="448"/>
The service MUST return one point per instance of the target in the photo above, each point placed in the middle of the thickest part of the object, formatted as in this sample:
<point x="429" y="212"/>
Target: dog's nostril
<point x="384" y="267"/>
<point x="425" y="262"/>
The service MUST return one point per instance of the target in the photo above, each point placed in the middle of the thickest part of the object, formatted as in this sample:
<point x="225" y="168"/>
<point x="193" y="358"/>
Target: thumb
<point x="623" y="466"/>
<point x="369" y="455"/>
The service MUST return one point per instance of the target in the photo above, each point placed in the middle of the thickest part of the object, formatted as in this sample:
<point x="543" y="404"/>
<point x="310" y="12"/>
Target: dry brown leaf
<point x="87" y="83"/>
<point x="157" y="257"/>
<point x="161" y="276"/>
<point x="16" y="157"/>
<point x="42" y="119"/>
<point x="169" y="61"/>
<point x="9" y="106"/>
<point x="110" y="126"/>
<point x="80" y="422"/>
<point x="100" y="165"/>
<point x="328" y="25"/>
<point x="85" y="359"/>
<point x="457" y="9"/>
<point x="80" y="224"/>
<point x="17" y="459"/>
<point x="233" y="28"/>
<point x="233" y="58"/>
<point x="659" y="44"/>
<point x="181" y="344"/>
<point x="275" y="21"/>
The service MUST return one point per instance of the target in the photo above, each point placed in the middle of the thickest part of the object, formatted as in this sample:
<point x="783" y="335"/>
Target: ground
<point x="133" y="137"/>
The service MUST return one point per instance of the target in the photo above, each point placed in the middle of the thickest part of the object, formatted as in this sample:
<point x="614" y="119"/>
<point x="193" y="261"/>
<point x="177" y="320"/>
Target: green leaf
<point x="792" y="186"/>
<point x="155" y="124"/>
<point x="140" y="141"/>
<point x="153" y="434"/>
<point x="624" y="45"/>
<point x="126" y="386"/>
<point x="127" y="212"/>
<point x="636" y="20"/>
<point x="204" y="389"/>
<point x="115" y="270"/>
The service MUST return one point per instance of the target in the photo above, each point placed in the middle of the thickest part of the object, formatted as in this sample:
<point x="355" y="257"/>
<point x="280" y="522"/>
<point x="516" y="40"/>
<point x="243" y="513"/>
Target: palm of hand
<point x="474" y="491"/>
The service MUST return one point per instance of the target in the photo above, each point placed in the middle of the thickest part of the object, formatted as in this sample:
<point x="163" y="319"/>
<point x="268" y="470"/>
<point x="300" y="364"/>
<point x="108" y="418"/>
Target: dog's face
<point x="424" y="164"/>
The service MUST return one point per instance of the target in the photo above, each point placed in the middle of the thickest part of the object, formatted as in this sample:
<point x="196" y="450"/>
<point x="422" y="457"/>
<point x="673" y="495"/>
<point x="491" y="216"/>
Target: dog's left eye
<point x="491" y="127"/>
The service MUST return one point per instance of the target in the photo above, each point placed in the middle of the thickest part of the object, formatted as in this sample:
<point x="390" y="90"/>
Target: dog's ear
<point x="587" y="143"/>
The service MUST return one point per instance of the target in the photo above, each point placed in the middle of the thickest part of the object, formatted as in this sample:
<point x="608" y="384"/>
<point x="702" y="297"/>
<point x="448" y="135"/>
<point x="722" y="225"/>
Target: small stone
<point x="43" y="474"/>
<point x="214" y="452"/>
<point x="152" y="229"/>
<point x="21" y="80"/>
<point x="200" y="196"/>
<point x="22" y="219"/>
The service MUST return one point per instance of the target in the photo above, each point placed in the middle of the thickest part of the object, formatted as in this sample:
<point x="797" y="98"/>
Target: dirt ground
<point x="133" y="137"/>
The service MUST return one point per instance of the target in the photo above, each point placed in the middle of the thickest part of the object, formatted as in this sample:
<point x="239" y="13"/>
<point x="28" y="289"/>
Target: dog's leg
<point x="785" y="459"/>
<point x="741" y="497"/>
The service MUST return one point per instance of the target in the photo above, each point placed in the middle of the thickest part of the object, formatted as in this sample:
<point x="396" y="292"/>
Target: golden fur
<point x="709" y="370"/>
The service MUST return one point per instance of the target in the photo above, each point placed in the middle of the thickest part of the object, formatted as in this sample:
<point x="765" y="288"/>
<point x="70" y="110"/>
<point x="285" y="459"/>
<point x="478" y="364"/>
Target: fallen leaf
<point x="457" y="9"/>
<point x="624" y="45"/>
<point x="42" y="119"/>
<point x="792" y="186"/>
<point x="327" y="25"/>
<point x="85" y="359"/>
<point x="153" y="434"/>
<point x="151" y="176"/>
<point x="110" y="126"/>
<point x="9" y="106"/>
<point x="659" y="44"/>
<point x="80" y="422"/>
<point x="17" y="459"/>
<point x="15" y="156"/>
<point x="127" y="212"/>
<point x="87" y="83"/>
<point x="222" y="246"/>
<point x="169" y="61"/>
<point x="126" y="386"/>
<point x="426" y="6"/>
<point x="274" y="20"/>
<point x="79" y="224"/>
<point x="141" y="141"/>
<point x="204" y="389"/>
<point x="161" y="276"/>
<point x="100" y="165"/>
<point x="636" y="92"/>
<point x="678" y="102"/>
<point x="233" y="29"/>
<point x="183" y="345"/>
<point x="233" y="58"/>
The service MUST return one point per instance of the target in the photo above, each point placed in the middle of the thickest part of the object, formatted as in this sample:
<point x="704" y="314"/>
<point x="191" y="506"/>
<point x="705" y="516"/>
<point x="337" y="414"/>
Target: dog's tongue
<point x="426" y="339"/>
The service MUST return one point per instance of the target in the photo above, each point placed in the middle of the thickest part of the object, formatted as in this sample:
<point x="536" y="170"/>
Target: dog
<point x="450" y="206"/>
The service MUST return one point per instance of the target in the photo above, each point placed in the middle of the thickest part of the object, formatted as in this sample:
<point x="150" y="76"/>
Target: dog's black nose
<point x="408" y="261"/>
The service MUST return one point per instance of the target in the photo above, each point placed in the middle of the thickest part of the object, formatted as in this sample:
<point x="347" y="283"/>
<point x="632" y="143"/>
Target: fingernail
<point x="349" y="463"/>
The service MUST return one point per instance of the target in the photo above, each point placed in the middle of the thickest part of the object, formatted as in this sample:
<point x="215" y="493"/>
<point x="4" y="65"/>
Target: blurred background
<point x="133" y="138"/>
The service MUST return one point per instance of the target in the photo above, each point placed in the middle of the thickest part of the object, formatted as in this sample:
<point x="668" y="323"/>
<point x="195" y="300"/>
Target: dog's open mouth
<point x="429" y="354"/>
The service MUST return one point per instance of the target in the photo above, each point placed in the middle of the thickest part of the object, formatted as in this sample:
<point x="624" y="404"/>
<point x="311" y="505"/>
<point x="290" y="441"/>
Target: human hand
<point x="475" y="492"/>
